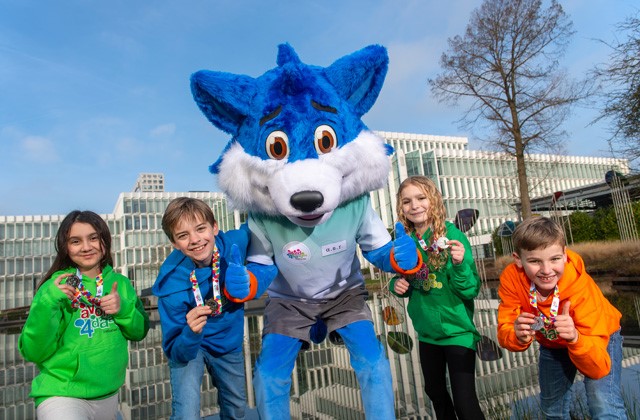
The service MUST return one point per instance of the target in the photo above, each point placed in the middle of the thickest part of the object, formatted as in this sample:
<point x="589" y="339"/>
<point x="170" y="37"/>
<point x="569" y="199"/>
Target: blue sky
<point x="92" y="93"/>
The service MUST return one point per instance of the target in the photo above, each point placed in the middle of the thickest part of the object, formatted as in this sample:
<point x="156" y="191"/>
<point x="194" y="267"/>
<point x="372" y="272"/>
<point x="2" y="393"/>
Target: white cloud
<point x="39" y="149"/>
<point x="128" y="147"/>
<point x="163" y="130"/>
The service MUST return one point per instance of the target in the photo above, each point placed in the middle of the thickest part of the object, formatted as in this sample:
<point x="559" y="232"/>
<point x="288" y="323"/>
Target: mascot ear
<point x="358" y="77"/>
<point x="224" y="98"/>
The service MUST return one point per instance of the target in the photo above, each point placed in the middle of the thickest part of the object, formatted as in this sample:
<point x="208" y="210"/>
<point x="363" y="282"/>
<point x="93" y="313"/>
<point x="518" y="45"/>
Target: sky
<point x="93" y="93"/>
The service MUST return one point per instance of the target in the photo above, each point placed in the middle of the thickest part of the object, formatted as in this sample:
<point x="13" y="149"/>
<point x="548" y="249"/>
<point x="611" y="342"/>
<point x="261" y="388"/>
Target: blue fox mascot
<point x="302" y="163"/>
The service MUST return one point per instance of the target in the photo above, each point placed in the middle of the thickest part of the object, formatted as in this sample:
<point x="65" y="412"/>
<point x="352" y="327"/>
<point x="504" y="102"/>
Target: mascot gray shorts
<point x="294" y="318"/>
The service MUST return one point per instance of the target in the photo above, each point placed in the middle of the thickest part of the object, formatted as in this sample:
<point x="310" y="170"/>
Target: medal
<point x="213" y="304"/>
<point x="73" y="281"/>
<point x="538" y="324"/>
<point x="442" y="243"/>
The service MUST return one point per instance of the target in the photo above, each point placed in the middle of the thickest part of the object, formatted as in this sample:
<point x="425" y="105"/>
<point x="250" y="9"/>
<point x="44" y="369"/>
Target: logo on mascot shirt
<point x="296" y="252"/>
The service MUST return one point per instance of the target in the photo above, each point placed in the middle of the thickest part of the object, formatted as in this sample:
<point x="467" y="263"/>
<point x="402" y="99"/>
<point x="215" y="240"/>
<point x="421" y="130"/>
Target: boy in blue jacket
<point x="201" y="289"/>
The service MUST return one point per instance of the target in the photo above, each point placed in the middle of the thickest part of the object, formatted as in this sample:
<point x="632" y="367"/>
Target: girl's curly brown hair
<point x="437" y="215"/>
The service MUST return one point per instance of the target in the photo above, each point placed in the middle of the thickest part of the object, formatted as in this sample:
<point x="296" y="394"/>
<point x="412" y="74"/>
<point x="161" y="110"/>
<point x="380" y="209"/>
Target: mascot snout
<point x="306" y="201"/>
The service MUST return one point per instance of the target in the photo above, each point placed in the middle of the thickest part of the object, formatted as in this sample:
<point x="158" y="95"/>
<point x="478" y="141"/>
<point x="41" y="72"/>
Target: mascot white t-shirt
<point x="320" y="254"/>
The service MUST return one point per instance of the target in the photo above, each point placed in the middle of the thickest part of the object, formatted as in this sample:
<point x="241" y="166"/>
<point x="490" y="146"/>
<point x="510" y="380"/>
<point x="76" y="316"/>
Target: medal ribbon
<point x="215" y="283"/>
<point x="81" y="291"/>
<point x="435" y="246"/>
<point x="422" y="243"/>
<point x="555" y="303"/>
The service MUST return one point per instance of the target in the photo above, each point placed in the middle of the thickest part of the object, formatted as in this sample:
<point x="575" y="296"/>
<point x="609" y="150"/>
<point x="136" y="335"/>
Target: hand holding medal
<point x="197" y="318"/>
<point x="68" y="289"/>
<point x="214" y="305"/>
<point x="524" y="325"/>
<point x="457" y="251"/>
<point x="75" y="290"/>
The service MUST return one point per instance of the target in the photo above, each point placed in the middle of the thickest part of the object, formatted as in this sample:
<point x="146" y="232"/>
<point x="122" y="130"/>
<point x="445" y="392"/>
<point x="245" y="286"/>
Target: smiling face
<point x="85" y="248"/>
<point x="416" y="207"/>
<point x="544" y="266"/>
<point x="195" y="237"/>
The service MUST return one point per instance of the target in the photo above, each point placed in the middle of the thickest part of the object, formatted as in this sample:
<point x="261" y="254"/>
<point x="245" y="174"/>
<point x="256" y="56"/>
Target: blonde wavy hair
<point x="437" y="214"/>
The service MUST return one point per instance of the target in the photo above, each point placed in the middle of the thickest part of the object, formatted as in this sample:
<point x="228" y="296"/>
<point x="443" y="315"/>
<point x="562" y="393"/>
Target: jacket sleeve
<point x="380" y="257"/>
<point x="464" y="277"/>
<point x="132" y="319"/>
<point x="508" y="310"/>
<point x="45" y="324"/>
<point x="179" y="342"/>
<point x="264" y="275"/>
<point x="591" y="319"/>
<point x="373" y="238"/>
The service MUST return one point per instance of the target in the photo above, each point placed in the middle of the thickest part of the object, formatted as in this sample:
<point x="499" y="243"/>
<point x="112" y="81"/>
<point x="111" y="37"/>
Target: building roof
<point x="587" y="197"/>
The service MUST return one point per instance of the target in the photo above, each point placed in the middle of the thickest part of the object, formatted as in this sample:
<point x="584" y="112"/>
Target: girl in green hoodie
<point x="79" y="322"/>
<point x="441" y="297"/>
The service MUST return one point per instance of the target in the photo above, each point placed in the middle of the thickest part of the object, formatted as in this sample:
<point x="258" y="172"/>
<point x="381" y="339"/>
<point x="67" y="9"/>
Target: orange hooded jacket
<point x="593" y="315"/>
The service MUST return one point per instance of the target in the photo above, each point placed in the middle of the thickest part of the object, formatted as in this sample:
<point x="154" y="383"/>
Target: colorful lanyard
<point x="215" y="303"/>
<point x="437" y="247"/>
<point x="82" y="291"/>
<point x="553" y="312"/>
<point x="422" y="243"/>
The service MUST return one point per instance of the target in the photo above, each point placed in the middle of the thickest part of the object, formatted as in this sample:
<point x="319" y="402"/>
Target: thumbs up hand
<point x="404" y="249"/>
<point x="565" y="326"/>
<point x="236" y="280"/>
<point x="110" y="304"/>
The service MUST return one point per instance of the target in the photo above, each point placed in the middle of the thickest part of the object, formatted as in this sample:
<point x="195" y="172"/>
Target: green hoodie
<point x="441" y="302"/>
<point x="83" y="352"/>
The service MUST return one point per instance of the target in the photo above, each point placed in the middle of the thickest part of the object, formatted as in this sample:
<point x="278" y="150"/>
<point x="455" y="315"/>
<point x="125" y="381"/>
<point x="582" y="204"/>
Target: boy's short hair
<point x="185" y="208"/>
<point x="537" y="233"/>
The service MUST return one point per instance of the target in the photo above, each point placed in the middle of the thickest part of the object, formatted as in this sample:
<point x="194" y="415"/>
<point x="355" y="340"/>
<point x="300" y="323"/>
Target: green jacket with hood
<point x="441" y="301"/>
<point x="81" y="352"/>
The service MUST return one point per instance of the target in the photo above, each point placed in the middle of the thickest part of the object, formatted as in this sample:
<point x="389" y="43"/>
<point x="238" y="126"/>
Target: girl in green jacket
<point x="79" y="322"/>
<point x="441" y="297"/>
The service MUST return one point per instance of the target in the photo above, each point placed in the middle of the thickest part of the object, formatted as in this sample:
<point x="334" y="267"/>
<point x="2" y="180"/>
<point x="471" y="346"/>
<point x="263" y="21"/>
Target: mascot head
<point x="299" y="147"/>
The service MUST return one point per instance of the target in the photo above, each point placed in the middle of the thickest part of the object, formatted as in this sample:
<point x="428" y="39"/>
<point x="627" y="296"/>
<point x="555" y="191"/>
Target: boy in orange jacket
<point x="547" y="295"/>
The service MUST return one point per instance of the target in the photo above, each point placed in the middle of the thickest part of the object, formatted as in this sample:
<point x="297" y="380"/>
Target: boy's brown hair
<point x="537" y="233"/>
<point x="185" y="208"/>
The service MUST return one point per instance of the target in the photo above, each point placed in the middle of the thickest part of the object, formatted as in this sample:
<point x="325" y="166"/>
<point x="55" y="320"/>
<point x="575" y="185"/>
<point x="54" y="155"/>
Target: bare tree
<point x="506" y="67"/>
<point x="620" y="78"/>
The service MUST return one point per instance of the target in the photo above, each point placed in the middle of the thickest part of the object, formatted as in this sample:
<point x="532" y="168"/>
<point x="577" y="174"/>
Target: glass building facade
<point x="481" y="180"/>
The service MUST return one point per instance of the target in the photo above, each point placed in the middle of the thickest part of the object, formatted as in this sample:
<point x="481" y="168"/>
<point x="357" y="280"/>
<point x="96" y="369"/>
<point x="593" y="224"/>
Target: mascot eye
<point x="325" y="139"/>
<point x="278" y="145"/>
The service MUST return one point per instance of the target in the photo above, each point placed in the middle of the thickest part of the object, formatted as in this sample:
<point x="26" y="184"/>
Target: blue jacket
<point x="223" y="333"/>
